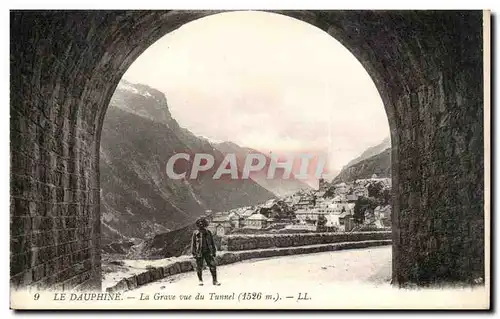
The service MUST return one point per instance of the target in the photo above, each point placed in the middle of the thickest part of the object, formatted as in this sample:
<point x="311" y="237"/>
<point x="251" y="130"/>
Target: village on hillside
<point x="344" y="207"/>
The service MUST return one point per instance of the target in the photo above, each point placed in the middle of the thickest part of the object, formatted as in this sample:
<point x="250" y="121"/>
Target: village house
<point x="340" y="222"/>
<point x="256" y="221"/>
<point x="319" y="194"/>
<point x="348" y="208"/>
<point x="292" y="200"/>
<point x="332" y="221"/>
<point x="360" y="191"/>
<point x="305" y="202"/>
<point x="220" y="224"/>
<point x="386" y="182"/>
<point x="340" y="188"/>
<point x="306" y="215"/>
<point x="311" y="215"/>
<point x="235" y="220"/>
<point x="339" y="199"/>
<point x="321" y="201"/>
<point x="245" y="214"/>
<point x="329" y="208"/>
<point x="351" y="198"/>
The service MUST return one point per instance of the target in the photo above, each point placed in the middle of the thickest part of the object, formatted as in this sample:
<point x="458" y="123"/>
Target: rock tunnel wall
<point x="65" y="66"/>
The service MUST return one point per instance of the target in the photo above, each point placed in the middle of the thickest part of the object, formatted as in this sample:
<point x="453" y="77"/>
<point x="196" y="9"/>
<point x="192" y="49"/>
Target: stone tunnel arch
<point x="65" y="67"/>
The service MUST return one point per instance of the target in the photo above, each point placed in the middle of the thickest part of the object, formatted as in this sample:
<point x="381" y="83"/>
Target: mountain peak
<point x="141" y="89"/>
<point x="142" y="100"/>
<point x="228" y="144"/>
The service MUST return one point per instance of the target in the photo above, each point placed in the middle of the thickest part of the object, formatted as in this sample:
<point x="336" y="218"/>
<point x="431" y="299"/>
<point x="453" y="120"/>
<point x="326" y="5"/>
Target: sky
<point x="266" y="81"/>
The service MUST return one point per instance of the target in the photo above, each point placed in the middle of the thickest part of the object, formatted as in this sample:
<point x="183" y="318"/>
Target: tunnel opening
<point x="427" y="67"/>
<point x="207" y="87"/>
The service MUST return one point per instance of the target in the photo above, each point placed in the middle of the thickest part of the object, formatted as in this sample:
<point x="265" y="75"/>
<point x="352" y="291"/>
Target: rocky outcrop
<point x="164" y="245"/>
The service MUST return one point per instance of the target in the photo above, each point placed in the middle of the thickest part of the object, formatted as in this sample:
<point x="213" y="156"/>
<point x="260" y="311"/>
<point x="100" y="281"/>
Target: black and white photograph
<point x="250" y="159"/>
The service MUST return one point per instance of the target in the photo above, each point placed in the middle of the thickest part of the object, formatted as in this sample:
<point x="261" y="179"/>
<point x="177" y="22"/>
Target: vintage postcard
<point x="256" y="159"/>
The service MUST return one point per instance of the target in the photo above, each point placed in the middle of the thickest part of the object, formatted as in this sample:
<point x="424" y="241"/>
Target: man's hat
<point x="202" y="221"/>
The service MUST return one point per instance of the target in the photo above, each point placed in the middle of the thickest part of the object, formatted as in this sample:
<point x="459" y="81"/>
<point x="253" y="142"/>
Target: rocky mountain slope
<point x="163" y="245"/>
<point x="278" y="185"/>
<point x="371" y="151"/>
<point x="375" y="160"/>
<point x="138" y="199"/>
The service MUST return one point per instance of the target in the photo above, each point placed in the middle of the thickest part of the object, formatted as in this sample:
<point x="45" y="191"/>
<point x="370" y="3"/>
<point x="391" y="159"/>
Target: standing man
<point x="203" y="248"/>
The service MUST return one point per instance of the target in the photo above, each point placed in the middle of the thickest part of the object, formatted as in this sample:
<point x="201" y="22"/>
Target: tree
<point x="386" y="196"/>
<point x="277" y="213"/>
<point x="330" y="192"/>
<point x="320" y="224"/>
<point x="287" y="210"/>
<point x="322" y="220"/>
<point x="362" y="204"/>
<point x="374" y="189"/>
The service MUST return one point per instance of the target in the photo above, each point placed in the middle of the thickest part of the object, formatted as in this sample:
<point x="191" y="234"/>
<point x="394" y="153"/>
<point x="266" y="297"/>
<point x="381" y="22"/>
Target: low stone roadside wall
<point x="228" y="257"/>
<point x="249" y="242"/>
